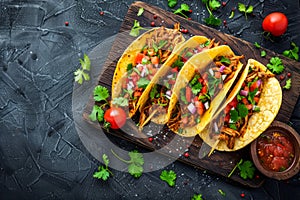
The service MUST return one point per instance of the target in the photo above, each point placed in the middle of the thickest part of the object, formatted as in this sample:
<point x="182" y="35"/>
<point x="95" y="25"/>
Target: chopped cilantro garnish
<point x="182" y="96"/>
<point x="212" y="5"/>
<point x="129" y="67"/>
<point x="257" y="45"/>
<point x="172" y="3"/>
<point x="135" y="30"/>
<point x="103" y="171"/>
<point x="242" y="8"/>
<point x="183" y="8"/>
<point x="251" y="96"/>
<point x="140" y="12"/>
<point x="81" y="73"/>
<point x="288" y="84"/>
<point x="275" y="65"/>
<point x="263" y="53"/>
<point x="225" y="60"/>
<point x="143" y="83"/>
<point x="169" y="177"/>
<point x="292" y="53"/>
<point x="120" y="101"/>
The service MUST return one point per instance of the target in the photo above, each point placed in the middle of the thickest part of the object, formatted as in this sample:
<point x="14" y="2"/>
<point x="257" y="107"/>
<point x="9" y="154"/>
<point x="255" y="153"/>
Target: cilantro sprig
<point x="275" y="65"/>
<point x="212" y="5"/>
<point x="197" y="197"/>
<point x="239" y="113"/>
<point x="246" y="168"/>
<point x="292" y="53"/>
<point x="135" y="164"/>
<point x="169" y="177"/>
<point x="82" y="73"/>
<point x="183" y="8"/>
<point x="135" y="30"/>
<point x="288" y="84"/>
<point x="172" y="3"/>
<point x="246" y="10"/>
<point x="103" y="171"/>
<point x="140" y="12"/>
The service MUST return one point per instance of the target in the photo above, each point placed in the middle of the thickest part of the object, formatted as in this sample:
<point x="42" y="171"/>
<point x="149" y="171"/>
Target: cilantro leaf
<point x="225" y="60"/>
<point x="233" y="126"/>
<point x="100" y="93"/>
<point x="212" y="20"/>
<point x="143" y="83"/>
<point x="80" y="75"/>
<point x="172" y="3"/>
<point x="135" y="30"/>
<point x="153" y="92"/>
<point x="97" y="114"/>
<point x="182" y="96"/>
<point x="288" y="84"/>
<point x="214" y="4"/>
<point x="135" y="164"/>
<point x="257" y="45"/>
<point x="196" y="88"/>
<point x="242" y="8"/>
<point x="231" y="14"/>
<point x="242" y="109"/>
<point x="275" y="65"/>
<point x="222" y="192"/>
<point x="197" y="197"/>
<point x="292" y="53"/>
<point x="234" y="115"/>
<point x="103" y="171"/>
<point x="169" y="177"/>
<point x="252" y="95"/>
<point x="85" y="63"/>
<point x="246" y="169"/>
<point x="140" y="12"/>
<point x="120" y="101"/>
<point x="183" y="8"/>
<point x="263" y="53"/>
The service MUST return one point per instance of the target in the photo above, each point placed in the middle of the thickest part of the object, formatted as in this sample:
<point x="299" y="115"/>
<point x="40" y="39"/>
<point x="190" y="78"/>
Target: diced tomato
<point x="195" y="99"/>
<point x="244" y="84"/>
<point x="246" y="88"/>
<point x="253" y="86"/>
<point x="184" y="59"/>
<point x="200" y="107"/>
<point x="256" y="99"/>
<point x="220" y="86"/>
<point x="137" y="93"/>
<point x="135" y="79"/>
<point x="227" y="118"/>
<point x="184" y="120"/>
<point x="234" y="102"/>
<point x="227" y="109"/>
<point x="174" y="70"/>
<point x="155" y="60"/>
<point x="249" y="106"/>
<point x="245" y="101"/>
<point x="153" y="71"/>
<point x="124" y="83"/>
<point x="204" y="89"/>
<point x="205" y="76"/>
<point x="188" y="94"/>
<point x="140" y="68"/>
<point x="200" y="80"/>
<point x="139" y="57"/>
<point x="218" y="74"/>
<point x="150" y="77"/>
<point x="172" y="81"/>
<point x="279" y="163"/>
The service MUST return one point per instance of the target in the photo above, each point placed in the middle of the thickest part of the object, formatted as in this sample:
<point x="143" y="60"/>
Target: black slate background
<point x="41" y="155"/>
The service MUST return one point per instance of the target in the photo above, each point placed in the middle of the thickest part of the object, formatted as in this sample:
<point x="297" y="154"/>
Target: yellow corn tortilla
<point x="130" y="53"/>
<point x="269" y="104"/>
<point x="201" y="63"/>
<point x="191" y="43"/>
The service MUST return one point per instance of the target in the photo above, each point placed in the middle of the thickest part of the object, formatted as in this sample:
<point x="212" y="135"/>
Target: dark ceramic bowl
<point x="293" y="137"/>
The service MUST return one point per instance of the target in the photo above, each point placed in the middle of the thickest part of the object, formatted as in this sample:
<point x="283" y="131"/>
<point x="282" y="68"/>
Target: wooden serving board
<point x="220" y="163"/>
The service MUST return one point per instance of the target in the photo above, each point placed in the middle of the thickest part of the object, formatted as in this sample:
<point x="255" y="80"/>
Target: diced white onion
<point x="130" y="85"/>
<point x="231" y="121"/>
<point x="169" y="92"/>
<point x="170" y="76"/>
<point x="211" y="71"/>
<point x="224" y="76"/>
<point x="257" y="93"/>
<point x="156" y="65"/>
<point x="206" y="105"/>
<point x="139" y="65"/>
<point x="191" y="107"/>
<point x="216" y="127"/>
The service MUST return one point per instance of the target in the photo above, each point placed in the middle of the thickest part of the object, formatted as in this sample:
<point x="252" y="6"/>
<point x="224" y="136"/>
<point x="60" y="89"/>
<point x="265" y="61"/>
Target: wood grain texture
<point x="220" y="163"/>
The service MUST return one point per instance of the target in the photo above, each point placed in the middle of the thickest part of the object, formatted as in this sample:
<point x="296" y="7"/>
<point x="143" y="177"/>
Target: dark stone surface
<point x="41" y="155"/>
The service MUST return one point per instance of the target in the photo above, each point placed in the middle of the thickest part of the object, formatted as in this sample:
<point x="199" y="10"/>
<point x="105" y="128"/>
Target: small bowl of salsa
<point x="276" y="152"/>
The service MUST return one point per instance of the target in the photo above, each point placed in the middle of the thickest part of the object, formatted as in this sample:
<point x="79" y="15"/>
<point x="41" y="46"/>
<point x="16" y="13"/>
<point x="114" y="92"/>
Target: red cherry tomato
<point x="116" y="117"/>
<point x="276" y="23"/>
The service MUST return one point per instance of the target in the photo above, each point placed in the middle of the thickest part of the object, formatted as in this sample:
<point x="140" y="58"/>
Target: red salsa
<point x="275" y="151"/>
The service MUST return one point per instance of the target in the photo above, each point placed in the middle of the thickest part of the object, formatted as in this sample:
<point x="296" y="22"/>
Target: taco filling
<point x="160" y="94"/>
<point x="241" y="108"/>
<point x="195" y="99"/>
<point x="145" y="65"/>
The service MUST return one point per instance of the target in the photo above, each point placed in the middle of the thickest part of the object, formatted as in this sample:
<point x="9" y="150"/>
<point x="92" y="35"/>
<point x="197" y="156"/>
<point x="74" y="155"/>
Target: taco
<point x="155" y="100"/>
<point x="201" y="87"/>
<point x="250" y="112"/>
<point x="140" y="62"/>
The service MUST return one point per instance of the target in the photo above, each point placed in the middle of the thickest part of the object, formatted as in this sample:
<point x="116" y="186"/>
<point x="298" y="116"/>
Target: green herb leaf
<point x="141" y="10"/>
<point x="197" y="197"/>
<point x="233" y="126"/>
<point x="172" y="3"/>
<point x="196" y="88"/>
<point x="100" y="93"/>
<point x="153" y="92"/>
<point x="231" y="14"/>
<point x="292" y="53"/>
<point x="85" y="63"/>
<point x="242" y="109"/>
<point x="129" y="67"/>
<point x="263" y="53"/>
<point x="275" y="65"/>
<point x="225" y="60"/>
<point x="80" y="75"/>
<point x="102" y="173"/>
<point x="249" y="9"/>
<point x="222" y="192"/>
<point x="105" y="159"/>
<point x="169" y="177"/>
<point x="182" y="96"/>
<point x="143" y="83"/>
<point x="135" y="30"/>
<point x="135" y="170"/>
<point x="214" y="4"/>
<point x="212" y="20"/>
<point x="97" y="114"/>
<point x="246" y="169"/>
<point x="257" y="45"/>
<point x="234" y="115"/>
<point x="120" y="101"/>
<point x="288" y="84"/>
<point x="251" y="96"/>
<point x="241" y="7"/>
<point x="183" y="8"/>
